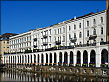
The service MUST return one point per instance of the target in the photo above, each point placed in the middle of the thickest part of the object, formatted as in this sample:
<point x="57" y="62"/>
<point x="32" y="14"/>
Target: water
<point x="45" y="77"/>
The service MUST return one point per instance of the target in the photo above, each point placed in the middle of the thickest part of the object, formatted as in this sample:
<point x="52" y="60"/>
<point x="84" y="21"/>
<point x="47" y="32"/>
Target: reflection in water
<point x="45" y="77"/>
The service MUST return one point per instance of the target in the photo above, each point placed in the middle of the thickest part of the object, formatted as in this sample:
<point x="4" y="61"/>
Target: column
<point x="44" y="58"/>
<point x="74" y="58"/>
<point x="88" y="58"/>
<point x="52" y="58"/>
<point x="68" y="58"/>
<point x="57" y="55"/>
<point x="98" y="60"/>
<point x="32" y="58"/>
<point x="40" y="59"/>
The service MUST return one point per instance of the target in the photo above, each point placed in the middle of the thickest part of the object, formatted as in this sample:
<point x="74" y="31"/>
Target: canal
<point x="46" y="77"/>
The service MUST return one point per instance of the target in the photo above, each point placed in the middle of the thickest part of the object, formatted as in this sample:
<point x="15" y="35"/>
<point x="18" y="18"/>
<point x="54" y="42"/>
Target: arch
<point x="50" y="58"/>
<point x="93" y="57"/>
<point x="34" y="58"/>
<point x="60" y="57"/>
<point x="22" y="59"/>
<point x="55" y="58"/>
<point x="65" y="58"/>
<point x="25" y="59"/>
<point x="71" y="57"/>
<point x="46" y="59"/>
<point x="9" y="59"/>
<point x="104" y="57"/>
<point x="28" y="58"/>
<point x="38" y="59"/>
<point x="42" y="59"/>
<point x="85" y="57"/>
<point x="78" y="57"/>
<point x="31" y="58"/>
<point x="13" y="59"/>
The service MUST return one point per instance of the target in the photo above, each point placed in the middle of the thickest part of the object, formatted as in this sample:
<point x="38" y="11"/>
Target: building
<point x="81" y="41"/>
<point x="21" y="42"/>
<point x="4" y="43"/>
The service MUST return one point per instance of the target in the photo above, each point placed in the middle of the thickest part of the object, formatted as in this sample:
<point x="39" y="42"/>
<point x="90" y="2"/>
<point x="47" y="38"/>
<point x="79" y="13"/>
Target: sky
<point x="22" y="16"/>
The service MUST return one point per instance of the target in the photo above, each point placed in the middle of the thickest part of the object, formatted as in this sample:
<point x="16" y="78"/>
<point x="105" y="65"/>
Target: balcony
<point x="35" y="39"/>
<point x="73" y="40"/>
<point x="45" y="36"/>
<point x="45" y="43"/>
<point x="57" y="42"/>
<point x="35" y="46"/>
<point x="92" y="37"/>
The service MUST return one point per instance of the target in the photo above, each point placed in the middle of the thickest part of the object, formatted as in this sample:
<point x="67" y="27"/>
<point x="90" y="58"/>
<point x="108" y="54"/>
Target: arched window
<point x="94" y="21"/>
<point x="80" y="35"/>
<point x="69" y="36"/>
<point x="74" y="26"/>
<point x="94" y="32"/>
<point x="69" y="28"/>
<point x="87" y="23"/>
<point x="101" y="30"/>
<point x="79" y="25"/>
<point x="101" y="19"/>
<point x="87" y="32"/>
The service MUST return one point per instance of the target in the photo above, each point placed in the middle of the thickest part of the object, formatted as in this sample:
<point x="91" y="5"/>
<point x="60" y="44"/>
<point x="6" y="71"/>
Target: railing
<point x="58" y="42"/>
<point x="73" y="40"/>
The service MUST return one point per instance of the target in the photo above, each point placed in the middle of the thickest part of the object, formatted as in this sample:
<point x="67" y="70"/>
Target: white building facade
<point x="76" y="42"/>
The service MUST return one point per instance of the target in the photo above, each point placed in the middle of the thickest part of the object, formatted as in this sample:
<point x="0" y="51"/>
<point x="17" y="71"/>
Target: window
<point x="60" y="30"/>
<point x="80" y="35"/>
<point x="50" y="38"/>
<point x="79" y="25"/>
<point x="94" y="21"/>
<point x="101" y="19"/>
<point x="55" y="31"/>
<point x="87" y="23"/>
<point x="102" y="40"/>
<point x="60" y="38"/>
<point x="94" y="32"/>
<point x="55" y="38"/>
<point x="4" y="42"/>
<point x="63" y="30"/>
<point x="63" y="38"/>
<point x="101" y="30"/>
<point x="74" y="35"/>
<point x="30" y="37"/>
<point x="74" y="26"/>
<point x="87" y="32"/>
<point x="50" y="31"/>
<point x="69" y="36"/>
<point x="69" y="28"/>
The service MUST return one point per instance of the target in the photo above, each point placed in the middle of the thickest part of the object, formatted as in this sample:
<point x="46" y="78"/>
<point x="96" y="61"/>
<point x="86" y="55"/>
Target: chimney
<point x="107" y="20"/>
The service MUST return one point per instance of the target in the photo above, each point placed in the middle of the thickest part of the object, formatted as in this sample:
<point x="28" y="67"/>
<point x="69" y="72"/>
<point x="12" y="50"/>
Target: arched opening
<point x="55" y="58"/>
<point x="104" y="58"/>
<point x="42" y="59"/>
<point x="71" y="58"/>
<point x="65" y="58"/>
<point x="9" y="59"/>
<point x="31" y="58"/>
<point x="22" y="59"/>
<point x="38" y="59"/>
<point x="92" y="59"/>
<point x="28" y="59"/>
<point x="13" y="59"/>
<point x="85" y="59"/>
<point x="46" y="59"/>
<point x="78" y="58"/>
<point x="50" y="59"/>
<point x="25" y="59"/>
<point x="60" y="58"/>
<point x="34" y="58"/>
